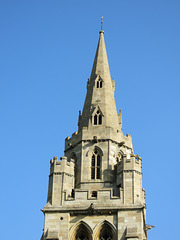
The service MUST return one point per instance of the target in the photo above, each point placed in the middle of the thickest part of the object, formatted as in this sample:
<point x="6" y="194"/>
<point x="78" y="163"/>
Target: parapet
<point x="70" y="142"/>
<point x="85" y="197"/>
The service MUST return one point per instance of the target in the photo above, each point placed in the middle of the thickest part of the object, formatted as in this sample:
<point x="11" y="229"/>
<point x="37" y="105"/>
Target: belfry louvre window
<point x="99" y="83"/>
<point x="96" y="165"/>
<point x="98" y="118"/>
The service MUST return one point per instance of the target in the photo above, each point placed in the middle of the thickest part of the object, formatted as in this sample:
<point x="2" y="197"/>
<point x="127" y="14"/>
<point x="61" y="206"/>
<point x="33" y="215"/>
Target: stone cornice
<point x="96" y="209"/>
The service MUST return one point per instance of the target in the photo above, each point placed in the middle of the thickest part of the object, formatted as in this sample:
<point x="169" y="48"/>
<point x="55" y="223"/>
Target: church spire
<point x="101" y="66"/>
<point x="99" y="107"/>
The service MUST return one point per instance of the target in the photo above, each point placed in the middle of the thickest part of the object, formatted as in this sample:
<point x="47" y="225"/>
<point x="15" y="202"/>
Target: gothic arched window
<point x="96" y="165"/>
<point x="98" y="118"/>
<point x="82" y="232"/>
<point x="99" y="83"/>
<point x="105" y="232"/>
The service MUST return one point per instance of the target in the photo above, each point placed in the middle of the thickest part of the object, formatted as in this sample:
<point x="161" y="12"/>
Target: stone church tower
<point x="95" y="191"/>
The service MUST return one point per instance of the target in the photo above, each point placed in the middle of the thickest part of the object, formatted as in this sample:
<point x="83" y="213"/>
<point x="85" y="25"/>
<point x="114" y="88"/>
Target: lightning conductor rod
<point x="101" y="23"/>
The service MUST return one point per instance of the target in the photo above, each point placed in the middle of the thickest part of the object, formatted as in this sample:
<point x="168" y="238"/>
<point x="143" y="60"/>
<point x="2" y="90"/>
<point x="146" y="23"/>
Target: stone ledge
<point x="110" y="208"/>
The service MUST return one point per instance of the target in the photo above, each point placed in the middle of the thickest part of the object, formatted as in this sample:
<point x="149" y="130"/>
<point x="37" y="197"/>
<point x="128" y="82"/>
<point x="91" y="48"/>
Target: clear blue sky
<point x="46" y="54"/>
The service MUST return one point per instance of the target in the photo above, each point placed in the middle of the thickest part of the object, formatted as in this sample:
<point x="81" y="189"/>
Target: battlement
<point x="71" y="141"/>
<point x="129" y="162"/>
<point x="61" y="166"/>
<point x="100" y="134"/>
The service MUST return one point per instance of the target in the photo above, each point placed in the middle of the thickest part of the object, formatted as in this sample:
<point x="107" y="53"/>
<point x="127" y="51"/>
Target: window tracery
<point x="98" y="118"/>
<point x="96" y="165"/>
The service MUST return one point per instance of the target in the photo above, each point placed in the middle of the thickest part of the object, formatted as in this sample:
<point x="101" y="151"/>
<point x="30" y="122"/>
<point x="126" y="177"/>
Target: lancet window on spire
<point x="96" y="165"/>
<point x="99" y="83"/>
<point x="98" y="118"/>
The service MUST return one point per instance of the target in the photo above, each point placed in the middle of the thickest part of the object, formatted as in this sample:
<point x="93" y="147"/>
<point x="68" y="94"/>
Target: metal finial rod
<point x="101" y="23"/>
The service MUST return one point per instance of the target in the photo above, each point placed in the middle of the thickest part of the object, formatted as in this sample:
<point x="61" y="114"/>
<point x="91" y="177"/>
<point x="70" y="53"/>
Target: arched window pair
<point x="96" y="165"/>
<point x="98" y="118"/>
<point x="104" y="232"/>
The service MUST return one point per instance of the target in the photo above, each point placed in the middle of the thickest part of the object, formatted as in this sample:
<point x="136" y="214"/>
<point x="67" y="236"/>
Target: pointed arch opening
<point x="96" y="160"/>
<point x="105" y="231"/>
<point x="82" y="231"/>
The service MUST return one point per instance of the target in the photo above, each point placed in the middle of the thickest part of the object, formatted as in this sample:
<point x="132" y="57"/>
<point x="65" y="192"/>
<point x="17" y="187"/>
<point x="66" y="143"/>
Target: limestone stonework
<point x="95" y="191"/>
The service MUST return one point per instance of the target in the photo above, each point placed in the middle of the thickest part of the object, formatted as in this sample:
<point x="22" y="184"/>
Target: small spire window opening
<point x="98" y="118"/>
<point x="99" y="83"/>
<point x="96" y="165"/>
